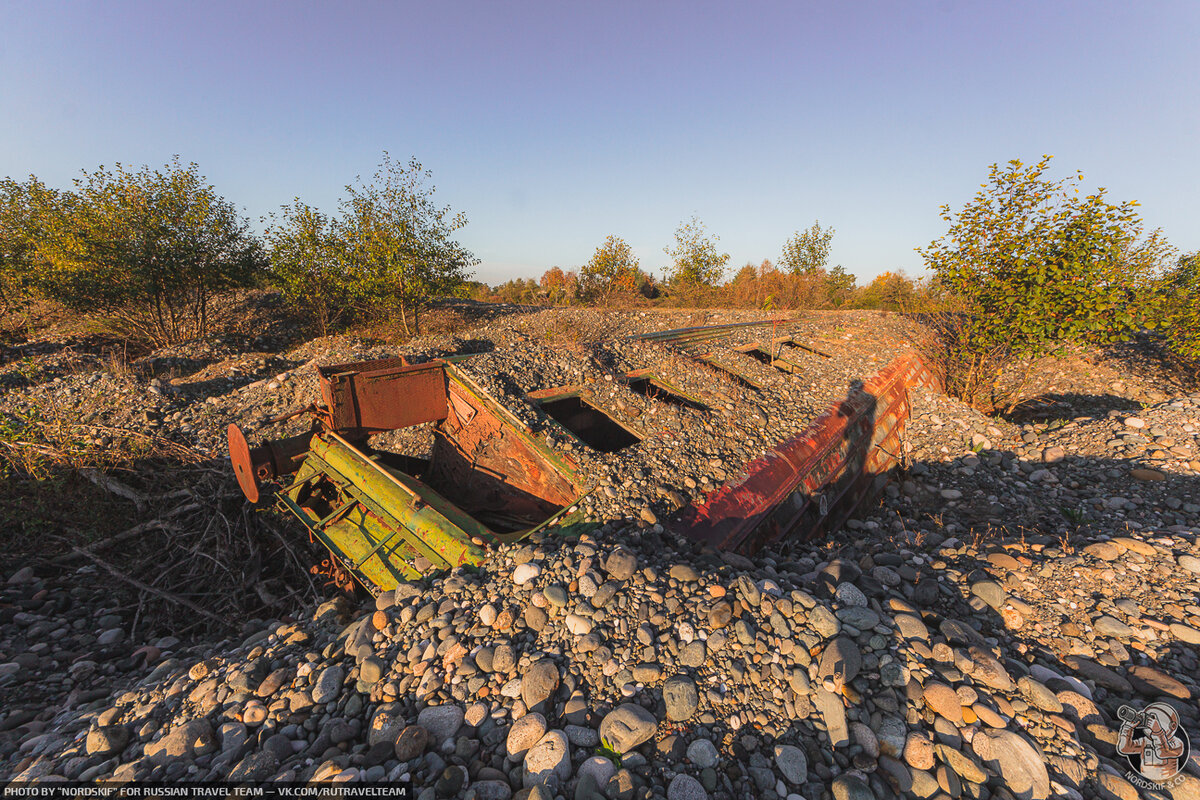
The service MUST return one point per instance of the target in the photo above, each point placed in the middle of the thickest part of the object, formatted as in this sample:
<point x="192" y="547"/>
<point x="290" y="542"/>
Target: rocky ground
<point x="972" y="634"/>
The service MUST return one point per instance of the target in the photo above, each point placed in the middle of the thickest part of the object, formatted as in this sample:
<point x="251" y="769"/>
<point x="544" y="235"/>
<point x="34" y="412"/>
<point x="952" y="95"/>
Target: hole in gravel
<point x="593" y="427"/>
<point x="736" y="377"/>
<point x="648" y="387"/>
<point x="806" y="348"/>
<point x="759" y="354"/>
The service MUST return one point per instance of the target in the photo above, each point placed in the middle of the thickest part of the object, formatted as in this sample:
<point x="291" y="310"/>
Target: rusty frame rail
<point x="810" y="484"/>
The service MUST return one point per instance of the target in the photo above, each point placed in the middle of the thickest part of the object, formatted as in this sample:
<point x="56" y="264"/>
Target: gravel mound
<point x="972" y="634"/>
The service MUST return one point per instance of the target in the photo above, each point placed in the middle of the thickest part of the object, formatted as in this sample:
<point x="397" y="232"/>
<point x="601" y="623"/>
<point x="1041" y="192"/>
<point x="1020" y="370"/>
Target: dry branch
<point x="136" y="530"/>
<point x="114" y="486"/>
<point x="165" y="595"/>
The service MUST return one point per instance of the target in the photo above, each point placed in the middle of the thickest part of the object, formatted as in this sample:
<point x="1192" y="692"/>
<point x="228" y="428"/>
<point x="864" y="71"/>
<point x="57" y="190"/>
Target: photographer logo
<point x="1153" y="743"/>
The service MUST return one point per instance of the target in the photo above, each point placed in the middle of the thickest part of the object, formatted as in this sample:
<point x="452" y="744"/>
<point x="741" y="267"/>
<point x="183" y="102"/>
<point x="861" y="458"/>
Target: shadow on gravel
<point x="1052" y="407"/>
<point x="223" y="384"/>
<point x="1064" y="583"/>
<point x="1147" y="354"/>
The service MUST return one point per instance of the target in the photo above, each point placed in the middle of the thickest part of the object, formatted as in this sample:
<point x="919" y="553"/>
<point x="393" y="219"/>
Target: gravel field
<point x="972" y="634"/>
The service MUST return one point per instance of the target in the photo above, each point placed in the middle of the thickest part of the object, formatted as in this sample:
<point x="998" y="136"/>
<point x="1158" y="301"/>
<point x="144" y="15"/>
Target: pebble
<point x="328" y="685"/>
<point x="548" y="762"/>
<point x="1021" y="767"/>
<point x="918" y="751"/>
<point x="851" y="787"/>
<point x="685" y="787"/>
<point x="524" y="734"/>
<point x="792" y="763"/>
<point x="524" y="573"/>
<point x="681" y="698"/>
<point x="944" y="701"/>
<point x="627" y="726"/>
<point x="442" y="721"/>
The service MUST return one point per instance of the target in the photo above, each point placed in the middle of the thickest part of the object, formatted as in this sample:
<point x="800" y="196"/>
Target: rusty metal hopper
<point x="385" y="517"/>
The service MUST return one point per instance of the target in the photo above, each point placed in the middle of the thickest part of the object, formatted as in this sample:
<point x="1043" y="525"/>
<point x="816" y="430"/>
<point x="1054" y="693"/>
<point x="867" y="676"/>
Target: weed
<point x="1064" y="543"/>
<point x="606" y="750"/>
<point x="1075" y="515"/>
<point x="29" y="369"/>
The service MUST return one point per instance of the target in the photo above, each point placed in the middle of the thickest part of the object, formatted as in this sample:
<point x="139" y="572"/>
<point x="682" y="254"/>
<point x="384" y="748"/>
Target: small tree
<point x="839" y="286"/>
<point x="696" y="261"/>
<point x="150" y="248"/>
<point x="400" y="244"/>
<point x="518" y="290"/>
<point x="807" y="251"/>
<point x="309" y="265"/>
<point x="27" y="211"/>
<point x="1180" y="299"/>
<point x="889" y="291"/>
<point x="558" y="286"/>
<point x="742" y="290"/>
<point x="612" y="270"/>
<point x="1030" y="266"/>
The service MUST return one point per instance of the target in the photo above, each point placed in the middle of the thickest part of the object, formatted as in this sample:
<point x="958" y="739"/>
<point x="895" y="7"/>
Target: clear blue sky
<point x="552" y="125"/>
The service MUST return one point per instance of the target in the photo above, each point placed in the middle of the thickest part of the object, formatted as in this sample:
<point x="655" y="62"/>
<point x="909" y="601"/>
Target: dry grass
<point x="169" y="525"/>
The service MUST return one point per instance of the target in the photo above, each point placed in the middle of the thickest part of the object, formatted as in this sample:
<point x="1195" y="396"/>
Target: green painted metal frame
<point x="383" y="520"/>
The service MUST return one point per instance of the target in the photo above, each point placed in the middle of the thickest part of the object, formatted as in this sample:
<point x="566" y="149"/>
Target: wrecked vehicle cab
<point x="386" y="517"/>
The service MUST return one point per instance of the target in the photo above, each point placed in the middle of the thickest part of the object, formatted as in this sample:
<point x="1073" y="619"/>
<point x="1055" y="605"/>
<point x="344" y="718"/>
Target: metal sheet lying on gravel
<point x="811" y="483"/>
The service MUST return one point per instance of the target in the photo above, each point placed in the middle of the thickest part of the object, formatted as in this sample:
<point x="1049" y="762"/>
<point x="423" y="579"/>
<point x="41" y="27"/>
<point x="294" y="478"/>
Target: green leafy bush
<point x="384" y="256"/>
<point x="149" y="248"/>
<point x="1180" y="316"/>
<point x="807" y="251"/>
<point x="27" y="210"/>
<point x="1029" y="266"/>
<point x="611" y="271"/>
<point x="309" y="265"/>
<point x="696" y="260"/>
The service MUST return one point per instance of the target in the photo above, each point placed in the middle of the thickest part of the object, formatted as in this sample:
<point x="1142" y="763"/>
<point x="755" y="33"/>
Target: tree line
<point x="149" y="248"/>
<point x="1028" y="266"/>
<point x="696" y="276"/>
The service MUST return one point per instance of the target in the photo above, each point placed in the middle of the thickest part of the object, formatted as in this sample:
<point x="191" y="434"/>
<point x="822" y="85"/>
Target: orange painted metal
<point x="496" y="469"/>
<point x="255" y="465"/>
<point x="810" y="484"/>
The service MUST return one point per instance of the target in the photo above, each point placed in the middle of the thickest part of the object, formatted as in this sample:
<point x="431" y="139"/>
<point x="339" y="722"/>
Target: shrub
<point x="1180" y="316"/>
<point x="400" y="246"/>
<point x="1028" y="266"/>
<point x="611" y="272"/>
<point x="807" y="251"/>
<point x="697" y="263"/>
<point x="27" y="211"/>
<point x="385" y="255"/>
<point x="149" y="248"/>
<point x="308" y="265"/>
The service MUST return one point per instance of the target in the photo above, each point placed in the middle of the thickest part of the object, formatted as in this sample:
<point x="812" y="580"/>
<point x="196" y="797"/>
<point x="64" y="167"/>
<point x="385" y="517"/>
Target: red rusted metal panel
<point x="810" y="484"/>
<point x="497" y="473"/>
<point x="384" y="395"/>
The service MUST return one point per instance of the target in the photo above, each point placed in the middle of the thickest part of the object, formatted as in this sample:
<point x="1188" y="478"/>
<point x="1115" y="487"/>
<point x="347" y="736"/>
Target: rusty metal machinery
<point x="386" y="518"/>
<point x="809" y="485"/>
